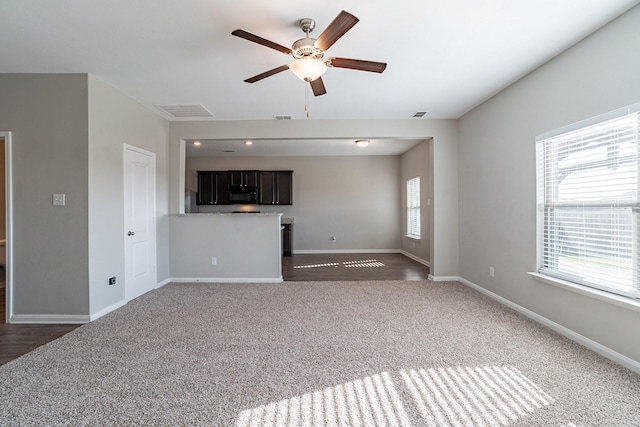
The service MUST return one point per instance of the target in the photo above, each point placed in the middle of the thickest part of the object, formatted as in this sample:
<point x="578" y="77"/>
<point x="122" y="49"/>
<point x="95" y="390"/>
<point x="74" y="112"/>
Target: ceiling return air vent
<point x="186" y="111"/>
<point x="282" y="117"/>
<point x="419" y="114"/>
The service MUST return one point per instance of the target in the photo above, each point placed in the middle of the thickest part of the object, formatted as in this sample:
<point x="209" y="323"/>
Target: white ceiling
<point x="444" y="57"/>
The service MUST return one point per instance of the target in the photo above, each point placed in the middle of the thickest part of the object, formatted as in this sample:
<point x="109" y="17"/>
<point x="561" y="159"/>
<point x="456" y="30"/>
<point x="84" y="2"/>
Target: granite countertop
<point x="229" y="214"/>
<point x="282" y="219"/>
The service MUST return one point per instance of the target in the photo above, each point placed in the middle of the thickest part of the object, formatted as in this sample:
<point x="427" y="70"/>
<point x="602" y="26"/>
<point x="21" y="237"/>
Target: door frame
<point x="8" y="191"/>
<point x="151" y="154"/>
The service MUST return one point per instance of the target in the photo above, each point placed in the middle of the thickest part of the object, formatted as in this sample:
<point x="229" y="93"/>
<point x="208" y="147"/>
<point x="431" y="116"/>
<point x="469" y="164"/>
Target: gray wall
<point x="497" y="177"/>
<point x="444" y="196"/>
<point x="355" y="198"/>
<point x="67" y="133"/>
<point x="417" y="162"/>
<point x="114" y="120"/>
<point x="47" y="115"/>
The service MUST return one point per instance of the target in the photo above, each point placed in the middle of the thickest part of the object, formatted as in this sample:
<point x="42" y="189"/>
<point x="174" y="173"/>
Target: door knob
<point x="131" y="233"/>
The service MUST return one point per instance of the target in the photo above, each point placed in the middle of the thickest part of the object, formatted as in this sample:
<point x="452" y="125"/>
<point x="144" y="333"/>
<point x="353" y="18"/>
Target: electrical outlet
<point x="112" y="280"/>
<point x="214" y="261"/>
<point x="492" y="272"/>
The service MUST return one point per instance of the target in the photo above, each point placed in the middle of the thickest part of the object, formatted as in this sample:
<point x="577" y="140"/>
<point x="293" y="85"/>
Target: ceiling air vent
<point x="229" y="151"/>
<point x="185" y="111"/>
<point x="420" y="114"/>
<point x="282" y="117"/>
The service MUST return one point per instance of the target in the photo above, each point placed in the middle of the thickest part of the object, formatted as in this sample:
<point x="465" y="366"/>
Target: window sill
<point x="412" y="236"/>
<point x="619" y="300"/>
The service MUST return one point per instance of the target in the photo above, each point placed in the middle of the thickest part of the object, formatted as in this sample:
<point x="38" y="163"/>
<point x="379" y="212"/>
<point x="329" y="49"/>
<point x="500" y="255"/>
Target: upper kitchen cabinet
<point x="276" y="187"/>
<point x="213" y="188"/>
<point x="243" y="178"/>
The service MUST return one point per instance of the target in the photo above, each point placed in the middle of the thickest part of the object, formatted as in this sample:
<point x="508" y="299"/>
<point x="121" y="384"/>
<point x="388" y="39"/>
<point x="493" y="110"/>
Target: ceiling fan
<point x="308" y="52"/>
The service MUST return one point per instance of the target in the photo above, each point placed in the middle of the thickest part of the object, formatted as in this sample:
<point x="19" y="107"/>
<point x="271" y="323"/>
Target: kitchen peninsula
<point x="226" y="247"/>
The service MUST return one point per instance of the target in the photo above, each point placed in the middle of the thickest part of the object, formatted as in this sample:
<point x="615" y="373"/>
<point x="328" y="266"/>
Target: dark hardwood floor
<point x="338" y="267"/>
<point x="16" y="340"/>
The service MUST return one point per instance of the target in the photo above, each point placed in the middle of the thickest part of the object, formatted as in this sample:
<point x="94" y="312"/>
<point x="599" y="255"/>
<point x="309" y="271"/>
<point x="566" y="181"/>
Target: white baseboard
<point x="346" y="251"/>
<point x="163" y="283"/>
<point x="63" y="318"/>
<point x="226" y="280"/>
<point x="572" y="335"/>
<point x="415" y="258"/>
<point x="107" y="310"/>
<point x="443" y="278"/>
<point x="49" y="318"/>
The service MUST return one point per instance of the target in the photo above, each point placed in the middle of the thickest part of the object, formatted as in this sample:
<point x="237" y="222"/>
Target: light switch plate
<point x="58" y="200"/>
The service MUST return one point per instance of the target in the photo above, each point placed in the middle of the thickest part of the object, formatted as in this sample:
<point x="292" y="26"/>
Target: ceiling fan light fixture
<point x="308" y="69"/>
<point x="362" y="142"/>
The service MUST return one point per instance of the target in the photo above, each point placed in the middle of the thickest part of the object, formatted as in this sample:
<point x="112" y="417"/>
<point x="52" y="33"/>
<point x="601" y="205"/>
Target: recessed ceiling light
<point x="362" y="142"/>
<point x="248" y="143"/>
<point x="196" y="143"/>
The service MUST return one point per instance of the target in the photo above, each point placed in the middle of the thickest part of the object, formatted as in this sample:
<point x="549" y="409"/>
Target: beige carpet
<point x="384" y="353"/>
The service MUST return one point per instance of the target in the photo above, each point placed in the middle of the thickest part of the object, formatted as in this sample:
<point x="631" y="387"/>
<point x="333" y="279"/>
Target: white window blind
<point x="413" y="207"/>
<point x="589" y="205"/>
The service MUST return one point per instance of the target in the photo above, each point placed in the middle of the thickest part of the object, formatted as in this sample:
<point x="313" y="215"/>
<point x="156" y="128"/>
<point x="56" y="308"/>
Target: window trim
<point x="608" y="297"/>
<point x="599" y="292"/>
<point x="590" y="121"/>
<point x="417" y="208"/>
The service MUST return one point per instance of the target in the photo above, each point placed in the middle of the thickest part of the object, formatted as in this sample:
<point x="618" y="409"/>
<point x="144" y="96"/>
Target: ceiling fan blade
<point x="267" y="74"/>
<point x="358" y="64"/>
<point x="264" y="42"/>
<point x="317" y="86"/>
<point x="338" y="27"/>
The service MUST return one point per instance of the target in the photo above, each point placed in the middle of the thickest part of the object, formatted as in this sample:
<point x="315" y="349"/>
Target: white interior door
<point x="139" y="222"/>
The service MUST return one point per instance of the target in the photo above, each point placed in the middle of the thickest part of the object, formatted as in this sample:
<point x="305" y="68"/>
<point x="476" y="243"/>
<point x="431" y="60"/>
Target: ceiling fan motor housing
<point x="307" y="25"/>
<point x="306" y="48"/>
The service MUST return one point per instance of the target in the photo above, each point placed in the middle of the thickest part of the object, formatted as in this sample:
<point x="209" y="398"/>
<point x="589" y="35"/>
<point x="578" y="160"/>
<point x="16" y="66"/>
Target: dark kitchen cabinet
<point x="213" y="188"/>
<point x="276" y="187"/>
<point x="243" y="178"/>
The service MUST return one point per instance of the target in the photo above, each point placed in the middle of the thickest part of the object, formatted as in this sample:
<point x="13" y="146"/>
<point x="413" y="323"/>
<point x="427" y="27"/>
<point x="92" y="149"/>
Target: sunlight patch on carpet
<point x="460" y="396"/>
<point x="371" y="401"/>
<point x="473" y="396"/>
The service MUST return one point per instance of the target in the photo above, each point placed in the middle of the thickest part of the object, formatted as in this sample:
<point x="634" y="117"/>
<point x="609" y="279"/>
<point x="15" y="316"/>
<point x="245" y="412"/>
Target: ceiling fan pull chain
<point x="306" y="99"/>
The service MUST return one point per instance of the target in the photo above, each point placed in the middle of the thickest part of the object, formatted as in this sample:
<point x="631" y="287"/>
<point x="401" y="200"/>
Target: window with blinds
<point x="589" y="204"/>
<point x="413" y="207"/>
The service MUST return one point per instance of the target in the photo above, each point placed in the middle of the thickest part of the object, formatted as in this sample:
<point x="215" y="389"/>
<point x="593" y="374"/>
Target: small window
<point x="588" y="204"/>
<point x="413" y="207"/>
